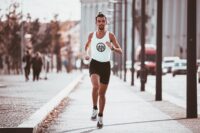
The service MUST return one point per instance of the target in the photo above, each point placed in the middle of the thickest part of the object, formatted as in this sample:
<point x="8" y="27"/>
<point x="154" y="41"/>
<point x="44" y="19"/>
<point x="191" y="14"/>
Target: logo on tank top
<point x="101" y="47"/>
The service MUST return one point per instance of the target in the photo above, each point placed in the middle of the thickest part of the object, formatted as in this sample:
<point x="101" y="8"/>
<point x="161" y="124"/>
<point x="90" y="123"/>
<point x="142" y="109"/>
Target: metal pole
<point x="125" y="38"/>
<point x="133" y="43"/>
<point x="114" y="30"/>
<point x="191" y="60"/>
<point x="143" y="47"/>
<point x="22" y="38"/>
<point x="159" y="51"/>
<point x="120" y="31"/>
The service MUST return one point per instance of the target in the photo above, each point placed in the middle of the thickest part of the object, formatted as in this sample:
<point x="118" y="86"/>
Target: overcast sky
<point x="45" y="9"/>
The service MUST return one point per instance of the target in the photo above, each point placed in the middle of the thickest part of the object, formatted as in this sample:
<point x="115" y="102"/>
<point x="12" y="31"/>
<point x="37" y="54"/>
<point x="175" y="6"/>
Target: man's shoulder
<point x="91" y="34"/>
<point x="111" y="33"/>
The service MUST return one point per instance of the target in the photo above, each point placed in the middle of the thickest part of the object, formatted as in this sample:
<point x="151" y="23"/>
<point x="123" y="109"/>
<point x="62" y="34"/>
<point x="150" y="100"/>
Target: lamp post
<point x="125" y="38"/>
<point x="142" y="71"/>
<point x="133" y="43"/>
<point x="159" y="52"/>
<point x="114" y="31"/>
<point x="191" y="60"/>
<point x="120" y="37"/>
<point x="118" y="30"/>
<point x="22" y="37"/>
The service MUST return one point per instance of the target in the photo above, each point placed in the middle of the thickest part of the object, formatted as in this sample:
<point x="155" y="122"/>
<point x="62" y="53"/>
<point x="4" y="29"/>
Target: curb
<point x="32" y="124"/>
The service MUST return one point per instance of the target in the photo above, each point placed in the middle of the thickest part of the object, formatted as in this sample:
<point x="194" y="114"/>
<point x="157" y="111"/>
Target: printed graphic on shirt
<point x="101" y="47"/>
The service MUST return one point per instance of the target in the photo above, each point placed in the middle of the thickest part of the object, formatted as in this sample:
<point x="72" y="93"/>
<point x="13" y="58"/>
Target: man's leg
<point x="37" y="74"/>
<point x="95" y="88"/>
<point x="34" y="74"/>
<point x="102" y="101"/>
<point x="102" y="98"/>
<point x="25" y="70"/>
<point x="28" y="72"/>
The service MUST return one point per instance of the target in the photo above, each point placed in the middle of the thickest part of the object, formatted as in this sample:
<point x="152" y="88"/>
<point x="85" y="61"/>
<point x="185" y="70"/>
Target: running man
<point x="101" y="43"/>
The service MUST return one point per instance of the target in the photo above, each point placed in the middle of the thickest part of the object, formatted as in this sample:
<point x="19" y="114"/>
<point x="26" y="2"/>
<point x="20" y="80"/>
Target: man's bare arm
<point x="87" y="45"/>
<point x="88" y="42"/>
<point x="114" y="41"/>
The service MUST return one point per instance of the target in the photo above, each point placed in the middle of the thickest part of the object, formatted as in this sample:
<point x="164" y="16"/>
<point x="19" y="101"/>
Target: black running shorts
<point x="102" y="69"/>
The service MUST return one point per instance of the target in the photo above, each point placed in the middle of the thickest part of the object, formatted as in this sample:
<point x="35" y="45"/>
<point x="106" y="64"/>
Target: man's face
<point x="101" y="22"/>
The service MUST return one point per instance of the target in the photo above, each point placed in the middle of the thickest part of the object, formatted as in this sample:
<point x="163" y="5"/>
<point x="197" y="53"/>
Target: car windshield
<point x="169" y="61"/>
<point x="183" y="64"/>
<point x="180" y="64"/>
<point x="176" y="64"/>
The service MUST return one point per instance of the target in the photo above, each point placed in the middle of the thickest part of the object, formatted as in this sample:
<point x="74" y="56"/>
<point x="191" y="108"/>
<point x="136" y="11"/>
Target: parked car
<point x="149" y="60"/>
<point x="168" y="63"/>
<point x="180" y="67"/>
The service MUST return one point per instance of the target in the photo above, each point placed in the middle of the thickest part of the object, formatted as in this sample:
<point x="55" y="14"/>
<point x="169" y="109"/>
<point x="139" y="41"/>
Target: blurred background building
<point x="174" y="23"/>
<point x="65" y="38"/>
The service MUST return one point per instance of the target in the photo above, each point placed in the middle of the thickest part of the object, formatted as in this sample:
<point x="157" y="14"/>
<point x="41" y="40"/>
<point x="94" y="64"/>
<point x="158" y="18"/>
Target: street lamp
<point x="119" y="58"/>
<point x="159" y="51"/>
<point x="125" y="38"/>
<point x="143" y="70"/>
<point x="133" y="43"/>
<point x="22" y="36"/>
<point x="191" y="60"/>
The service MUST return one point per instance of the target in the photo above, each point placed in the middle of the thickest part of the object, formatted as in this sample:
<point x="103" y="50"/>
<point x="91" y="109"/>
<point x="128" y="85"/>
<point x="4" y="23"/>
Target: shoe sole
<point x="99" y="126"/>
<point x="93" y="119"/>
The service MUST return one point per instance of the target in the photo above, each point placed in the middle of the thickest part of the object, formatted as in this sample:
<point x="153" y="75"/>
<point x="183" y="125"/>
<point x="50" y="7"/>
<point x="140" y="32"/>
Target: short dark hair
<point x="100" y="14"/>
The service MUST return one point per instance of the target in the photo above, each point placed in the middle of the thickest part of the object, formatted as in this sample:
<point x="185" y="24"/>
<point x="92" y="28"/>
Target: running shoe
<point x="94" y="114"/>
<point x="100" y="122"/>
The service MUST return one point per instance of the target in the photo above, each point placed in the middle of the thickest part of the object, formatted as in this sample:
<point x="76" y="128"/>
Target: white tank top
<point x="99" y="50"/>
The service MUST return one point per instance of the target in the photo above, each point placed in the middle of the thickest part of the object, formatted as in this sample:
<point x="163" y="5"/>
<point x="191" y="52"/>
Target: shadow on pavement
<point x="90" y="129"/>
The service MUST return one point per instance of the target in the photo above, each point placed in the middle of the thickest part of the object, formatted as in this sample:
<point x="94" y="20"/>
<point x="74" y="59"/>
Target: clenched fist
<point x="109" y="44"/>
<point x="87" y="57"/>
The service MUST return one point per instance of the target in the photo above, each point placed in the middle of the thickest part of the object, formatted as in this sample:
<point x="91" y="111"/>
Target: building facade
<point x="174" y="23"/>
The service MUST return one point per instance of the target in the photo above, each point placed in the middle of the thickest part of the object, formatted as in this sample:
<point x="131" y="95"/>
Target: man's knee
<point x="95" y="87"/>
<point x="95" y="84"/>
<point x="101" y="94"/>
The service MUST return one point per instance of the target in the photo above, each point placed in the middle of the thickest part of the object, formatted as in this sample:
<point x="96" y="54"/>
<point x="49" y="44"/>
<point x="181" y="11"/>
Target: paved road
<point x="174" y="88"/>
<point x="20" y="99"/>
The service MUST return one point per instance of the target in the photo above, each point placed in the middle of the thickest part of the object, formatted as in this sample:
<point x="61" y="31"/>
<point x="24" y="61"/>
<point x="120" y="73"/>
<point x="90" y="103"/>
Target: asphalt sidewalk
<point x="125" y="112"/>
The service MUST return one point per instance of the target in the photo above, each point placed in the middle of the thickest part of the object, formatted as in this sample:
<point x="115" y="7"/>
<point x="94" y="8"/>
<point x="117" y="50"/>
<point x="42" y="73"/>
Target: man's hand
<point x="87" y="57"/>
<point x="116" y="47"/>
<point x="109" y="45"/>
